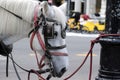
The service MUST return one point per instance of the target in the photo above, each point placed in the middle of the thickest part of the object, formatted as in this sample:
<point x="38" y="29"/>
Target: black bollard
<point x="109" y="58"/>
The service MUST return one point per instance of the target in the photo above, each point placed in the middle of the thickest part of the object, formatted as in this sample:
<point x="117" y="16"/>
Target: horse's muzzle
<point x="60" y="64"/>
<point x="63" y="70"/>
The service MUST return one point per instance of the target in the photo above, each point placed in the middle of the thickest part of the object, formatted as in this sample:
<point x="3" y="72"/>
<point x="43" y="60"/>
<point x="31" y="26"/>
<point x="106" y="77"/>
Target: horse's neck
<point x="12" y="28"/>
<point x="22" y="8"/>
<point x="12" y="39"/>
<point x="11" y="34"/>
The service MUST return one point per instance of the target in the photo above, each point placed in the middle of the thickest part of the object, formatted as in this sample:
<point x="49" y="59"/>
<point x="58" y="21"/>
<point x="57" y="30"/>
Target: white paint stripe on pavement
<point x="81" y="35"/>
<point x="32" y="54"/>
<point x="85" y="54"/>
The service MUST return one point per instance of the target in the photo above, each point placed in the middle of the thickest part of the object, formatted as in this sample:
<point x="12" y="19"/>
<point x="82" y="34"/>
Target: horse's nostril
<point x="63" y="70"/>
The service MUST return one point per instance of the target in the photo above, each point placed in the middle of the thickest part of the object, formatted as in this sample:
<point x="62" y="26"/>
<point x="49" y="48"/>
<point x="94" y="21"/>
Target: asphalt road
<point x="78" y="47"/>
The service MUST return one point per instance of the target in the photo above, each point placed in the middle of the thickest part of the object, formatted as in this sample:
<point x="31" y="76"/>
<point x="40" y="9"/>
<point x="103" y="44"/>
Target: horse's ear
<point x="45" y="7"/>
<point x="63" y="7"/>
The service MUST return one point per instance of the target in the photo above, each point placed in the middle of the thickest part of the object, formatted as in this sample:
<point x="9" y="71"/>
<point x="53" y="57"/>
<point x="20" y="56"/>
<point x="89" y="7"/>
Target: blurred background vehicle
<point x="94" y="26"/>
<point x="85" y="24"/>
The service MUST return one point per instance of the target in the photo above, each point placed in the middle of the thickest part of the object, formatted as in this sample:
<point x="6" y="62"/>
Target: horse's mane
<point x="22" y="8"/>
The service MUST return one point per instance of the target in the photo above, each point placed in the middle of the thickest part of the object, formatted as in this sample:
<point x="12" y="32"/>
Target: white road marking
<point x="32" y="54"/>
<point x="81" y="35"/>
<point x="84" y="54"/>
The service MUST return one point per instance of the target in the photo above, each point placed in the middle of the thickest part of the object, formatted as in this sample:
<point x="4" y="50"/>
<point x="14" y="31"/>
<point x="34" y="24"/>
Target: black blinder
<point x="49" y="32"/>
<point x="63" y="33"/>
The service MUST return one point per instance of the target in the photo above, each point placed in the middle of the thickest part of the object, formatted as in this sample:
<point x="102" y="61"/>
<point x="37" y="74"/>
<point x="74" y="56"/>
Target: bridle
<point x="48" y="33"/>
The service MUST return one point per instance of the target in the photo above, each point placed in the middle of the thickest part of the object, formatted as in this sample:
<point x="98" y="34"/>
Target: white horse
<point x="19" y="17"/>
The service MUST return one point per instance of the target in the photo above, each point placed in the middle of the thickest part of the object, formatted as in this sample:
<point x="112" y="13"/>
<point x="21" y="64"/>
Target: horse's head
<point x="54" y="38"/>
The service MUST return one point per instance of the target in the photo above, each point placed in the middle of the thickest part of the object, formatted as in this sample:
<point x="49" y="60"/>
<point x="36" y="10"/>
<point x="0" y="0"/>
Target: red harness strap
<point x="58" y="54"/>
<point x="37" y="33"/>
<point x="40" y="42"/>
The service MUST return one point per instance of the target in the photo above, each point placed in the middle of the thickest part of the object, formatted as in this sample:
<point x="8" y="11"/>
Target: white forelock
<point x="56" y="13"/>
